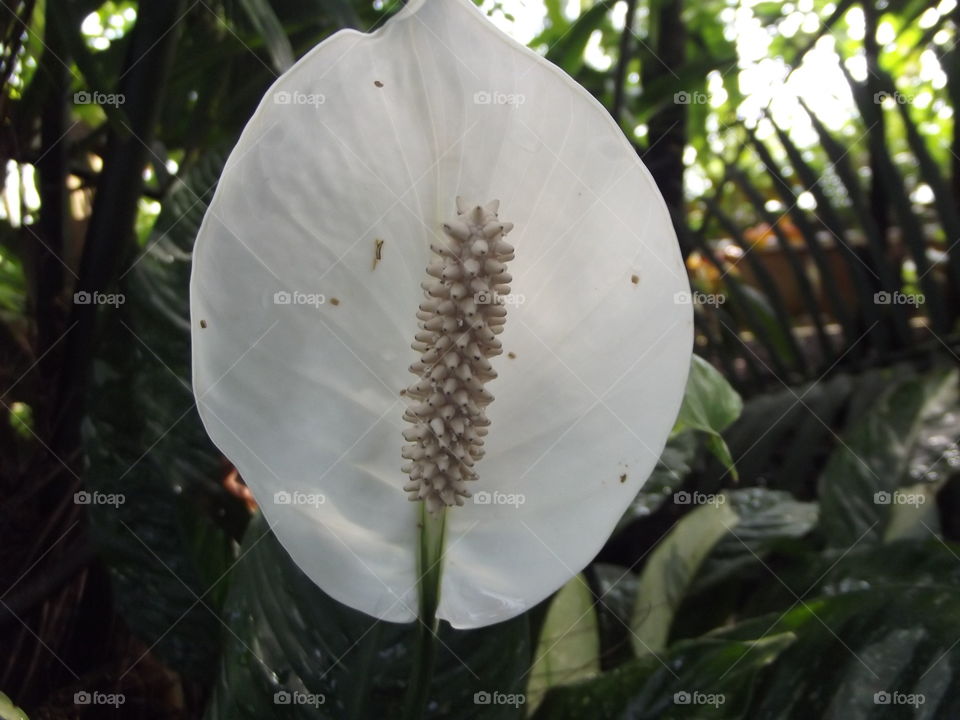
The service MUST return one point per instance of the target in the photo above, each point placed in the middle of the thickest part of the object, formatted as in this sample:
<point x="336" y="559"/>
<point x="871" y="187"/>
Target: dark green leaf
<point x="766" y="518"/>
<point x="146" y="445"/>
<point x="864" y="473"/>
<point x="331" y="661"/>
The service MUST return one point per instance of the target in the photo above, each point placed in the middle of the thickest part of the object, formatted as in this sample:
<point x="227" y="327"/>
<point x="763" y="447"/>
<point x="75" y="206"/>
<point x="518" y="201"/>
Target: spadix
<point x="459" y="322"/>
<point x="335" y="258"/>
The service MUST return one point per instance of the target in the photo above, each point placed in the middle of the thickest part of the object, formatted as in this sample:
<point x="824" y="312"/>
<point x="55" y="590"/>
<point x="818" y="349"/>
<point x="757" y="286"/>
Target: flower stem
<point x="429" y="567"/>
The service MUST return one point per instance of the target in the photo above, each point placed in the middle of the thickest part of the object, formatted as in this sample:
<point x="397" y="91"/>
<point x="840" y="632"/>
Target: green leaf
<point x="264" y="21"/>
<point x="886" y="624"/>
<point x="858" y="486"/>
<point x="331" y="661"/>
<point x="913" y="513"/>
<point x="567" y="51"/>
<point x="671" y="568"/>
<point x="710" y="677"/>
<point x="569" y="647"/>
<point x="710" y="405"/>
<point x="874" y="620"/>
<point x="146" y="447"/>
<point x="8" y="711"/>
<point x="766" y="517"/>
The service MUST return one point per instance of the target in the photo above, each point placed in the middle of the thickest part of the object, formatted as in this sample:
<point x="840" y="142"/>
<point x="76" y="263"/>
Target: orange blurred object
<point x="236" y="487"/>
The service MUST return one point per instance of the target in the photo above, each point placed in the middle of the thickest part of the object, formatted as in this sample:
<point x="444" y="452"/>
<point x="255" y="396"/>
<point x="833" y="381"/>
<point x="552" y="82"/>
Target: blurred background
<point x="810" y="157"/>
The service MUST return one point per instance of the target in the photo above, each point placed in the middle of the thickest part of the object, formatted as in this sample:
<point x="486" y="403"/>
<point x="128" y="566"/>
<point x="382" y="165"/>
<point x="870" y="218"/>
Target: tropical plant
<point x="814" y="575"/>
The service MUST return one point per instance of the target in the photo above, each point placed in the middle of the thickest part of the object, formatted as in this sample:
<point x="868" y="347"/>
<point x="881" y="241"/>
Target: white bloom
<point x="302" y="337"/>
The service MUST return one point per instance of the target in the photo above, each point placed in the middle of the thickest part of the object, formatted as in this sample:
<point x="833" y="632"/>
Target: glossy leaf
<point x="671" y="568"/>
<point x="710" y="405"/>
<point x="720" y="674"/>
<point x="569" y="647"/>
<point x="865" y="472"/>
<point x="147" y="448"/>
<point x="294" y="652"/>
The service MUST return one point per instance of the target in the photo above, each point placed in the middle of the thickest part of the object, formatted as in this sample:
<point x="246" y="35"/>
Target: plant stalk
<point x="429" y="570"/>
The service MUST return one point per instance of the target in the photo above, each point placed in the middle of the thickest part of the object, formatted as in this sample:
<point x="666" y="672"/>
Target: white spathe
<point x="370" y="138"/>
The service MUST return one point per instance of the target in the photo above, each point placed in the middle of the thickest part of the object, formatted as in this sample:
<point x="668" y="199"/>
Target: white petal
<point x="434" y="105"/>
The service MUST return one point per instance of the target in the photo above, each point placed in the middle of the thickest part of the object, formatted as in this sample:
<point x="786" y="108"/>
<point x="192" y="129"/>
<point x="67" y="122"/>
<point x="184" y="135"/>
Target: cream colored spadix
<point x="460" y="318"/>
<point x="363" y="147"/>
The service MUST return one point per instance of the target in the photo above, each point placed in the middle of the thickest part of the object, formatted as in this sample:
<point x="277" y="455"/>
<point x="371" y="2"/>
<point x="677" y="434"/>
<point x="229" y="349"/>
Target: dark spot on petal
<point x="378" y="83"/>
<point x="635" y="279"/>
<point x="334" y="301"/>
<point x="203" y="323"/>
<point x="512" y="355"/>
<point x="623" y="478"/>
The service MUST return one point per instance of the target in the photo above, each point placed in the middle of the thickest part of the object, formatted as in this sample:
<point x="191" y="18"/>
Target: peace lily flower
<point x="364" y="334"/>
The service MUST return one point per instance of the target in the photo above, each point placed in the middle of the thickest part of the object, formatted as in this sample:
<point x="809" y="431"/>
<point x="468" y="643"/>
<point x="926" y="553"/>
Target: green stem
<point x="429" y="570"/>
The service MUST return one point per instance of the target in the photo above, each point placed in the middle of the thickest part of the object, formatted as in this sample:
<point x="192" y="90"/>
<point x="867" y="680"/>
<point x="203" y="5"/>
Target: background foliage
<point x="794" y="554"/>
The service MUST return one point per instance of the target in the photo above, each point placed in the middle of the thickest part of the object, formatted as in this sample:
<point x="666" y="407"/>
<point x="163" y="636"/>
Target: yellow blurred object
<point x="704" y="274"/>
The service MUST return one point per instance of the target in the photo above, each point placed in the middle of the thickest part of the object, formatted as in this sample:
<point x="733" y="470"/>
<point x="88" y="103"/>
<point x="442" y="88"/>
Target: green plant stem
<point x="429" y="570"/>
